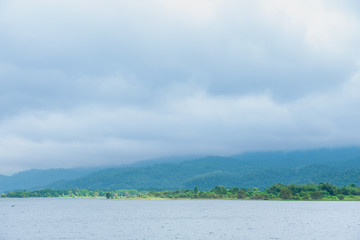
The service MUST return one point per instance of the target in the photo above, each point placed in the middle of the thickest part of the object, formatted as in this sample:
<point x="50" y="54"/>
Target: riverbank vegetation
<point x="322" y="191"/>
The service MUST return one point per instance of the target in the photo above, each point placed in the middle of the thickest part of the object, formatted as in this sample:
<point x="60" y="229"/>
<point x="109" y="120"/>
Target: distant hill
<point x="37" y="178"/>
<point x="259" y="169"/>
<point x="339" y="166"/>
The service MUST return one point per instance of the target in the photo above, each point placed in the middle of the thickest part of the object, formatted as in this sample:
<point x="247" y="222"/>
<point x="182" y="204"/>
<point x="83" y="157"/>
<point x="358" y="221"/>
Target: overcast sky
<point x="94" y="82"/>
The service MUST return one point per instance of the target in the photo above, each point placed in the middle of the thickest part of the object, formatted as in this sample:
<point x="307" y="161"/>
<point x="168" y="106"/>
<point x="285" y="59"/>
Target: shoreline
<point x="192" y="199"/>
<point x="277" y="192"/>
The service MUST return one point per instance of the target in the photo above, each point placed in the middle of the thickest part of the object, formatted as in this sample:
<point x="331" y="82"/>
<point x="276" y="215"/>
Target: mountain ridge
<point x="259" y="170"/>
<point x="339" y="166"/>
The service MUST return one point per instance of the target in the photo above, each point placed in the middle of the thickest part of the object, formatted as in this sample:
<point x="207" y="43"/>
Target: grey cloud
<point x="238" y="54"/>
<point x="198" y="124"/>
<point x="81" y="82"/>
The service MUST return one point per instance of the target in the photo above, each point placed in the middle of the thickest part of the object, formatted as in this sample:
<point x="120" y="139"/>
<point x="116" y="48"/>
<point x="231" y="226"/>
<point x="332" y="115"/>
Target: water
<point x="166" y="220"/>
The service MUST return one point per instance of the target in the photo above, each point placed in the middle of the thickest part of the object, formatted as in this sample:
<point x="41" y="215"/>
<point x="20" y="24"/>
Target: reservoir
<point x="68" y="218"/>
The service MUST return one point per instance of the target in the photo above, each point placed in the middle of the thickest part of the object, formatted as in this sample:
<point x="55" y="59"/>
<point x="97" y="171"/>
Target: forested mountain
<point x="33" y="178"/>
<point x="262" y="169"/>
<point x="339" y="166"/>
<point x="2" y="178"/>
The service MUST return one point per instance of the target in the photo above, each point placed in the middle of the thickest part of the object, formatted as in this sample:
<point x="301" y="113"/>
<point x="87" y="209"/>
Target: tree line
<point x="279" y="191"/>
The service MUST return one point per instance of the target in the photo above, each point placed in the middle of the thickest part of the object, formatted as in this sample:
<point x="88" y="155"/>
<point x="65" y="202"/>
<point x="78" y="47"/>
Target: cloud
<point x="225" y="52"/>
<point x="112" y="82"/>
<point x="326" y="27"/>
<point x="196" y="124"/>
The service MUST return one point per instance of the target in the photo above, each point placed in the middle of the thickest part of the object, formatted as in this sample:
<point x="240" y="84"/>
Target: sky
<point x="110" y="82"/>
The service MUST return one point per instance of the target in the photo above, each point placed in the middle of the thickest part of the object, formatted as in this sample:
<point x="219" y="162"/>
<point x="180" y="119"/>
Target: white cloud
<point x="202" y="11"/>
<point x="325" y="25"/>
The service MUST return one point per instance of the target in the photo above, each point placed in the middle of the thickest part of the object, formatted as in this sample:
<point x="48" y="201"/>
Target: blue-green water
<point x="166" y="220"/>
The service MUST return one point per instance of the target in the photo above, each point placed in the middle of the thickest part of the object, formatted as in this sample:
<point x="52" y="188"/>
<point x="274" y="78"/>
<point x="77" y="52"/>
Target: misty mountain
<point x="36" y="178"/>
<point x="261" y="169"/>
<point x="340" y="166"/>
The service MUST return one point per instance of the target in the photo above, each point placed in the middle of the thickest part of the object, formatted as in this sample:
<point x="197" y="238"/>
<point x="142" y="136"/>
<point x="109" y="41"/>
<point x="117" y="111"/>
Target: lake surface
<point x="166" y="220"/>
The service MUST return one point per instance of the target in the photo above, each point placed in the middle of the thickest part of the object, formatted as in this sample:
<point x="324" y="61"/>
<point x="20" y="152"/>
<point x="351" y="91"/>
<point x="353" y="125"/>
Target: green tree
<point x="196" y="190"/>
<point x="285" y="193"/>
<point x="316" y="195"/>
<point x="340" y="197"/>
<point x="331" y="189"/>
<point x="305" y="197"/>
<point x="108" y="195"/>
<point x="221" y="190"/>
<point x="241" y="194"/>
<point x="234" y="190"/>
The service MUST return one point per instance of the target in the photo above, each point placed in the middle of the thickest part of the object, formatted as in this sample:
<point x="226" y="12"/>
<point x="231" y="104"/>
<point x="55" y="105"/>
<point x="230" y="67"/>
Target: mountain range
<point x="339" y="166"/>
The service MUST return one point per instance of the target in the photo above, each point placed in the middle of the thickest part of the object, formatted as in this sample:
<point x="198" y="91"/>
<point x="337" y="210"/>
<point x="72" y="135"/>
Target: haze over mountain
<point x="35" y="178"/>
<point x="340" y="166"/>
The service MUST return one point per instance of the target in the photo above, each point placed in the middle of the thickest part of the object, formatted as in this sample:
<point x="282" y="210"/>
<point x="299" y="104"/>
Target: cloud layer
<point x="110" y="82"/>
